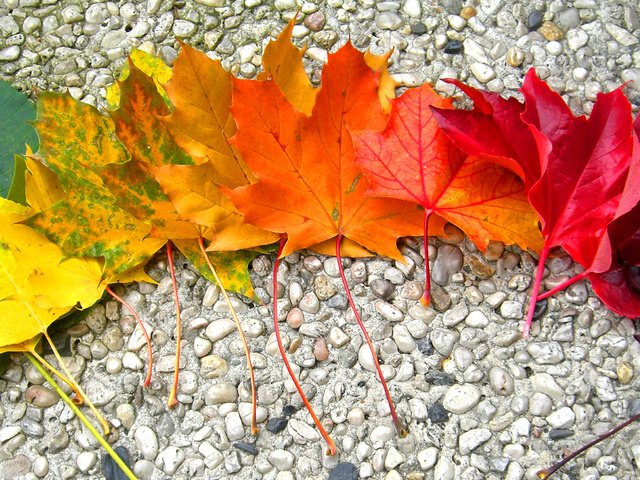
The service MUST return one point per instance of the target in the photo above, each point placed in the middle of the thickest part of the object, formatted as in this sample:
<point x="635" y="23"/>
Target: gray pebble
<point x="501" y="381"/>
<point x="170" y="459"/>
<point x="511" y="310"/>
<point x="540" y="404"/>
<point x="460" y="399"/>
<point x="221" y="393"/>
<point x="388" y="21"/>
<point x="443" y="340"/>
<point x="472" y="439"/>
<point x="448" y="261"/>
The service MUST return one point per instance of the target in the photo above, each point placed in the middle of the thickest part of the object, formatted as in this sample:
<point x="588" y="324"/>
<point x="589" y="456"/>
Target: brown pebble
<point x="468" y="12"/>
<point x="494" y="250"/>
<point x="295" y="345"/>
<point x="315" y="21"/>
<point x="320" y="350"/>
<point x="479" y="268"/>
<point x="295" y="317"/>
<point x="41" y="396"/>
<point x="78" y="330"/>
<point x="551" y="31"/>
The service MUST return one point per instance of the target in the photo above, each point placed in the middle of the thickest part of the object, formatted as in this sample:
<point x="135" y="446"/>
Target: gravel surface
<point x="480" y="402"/>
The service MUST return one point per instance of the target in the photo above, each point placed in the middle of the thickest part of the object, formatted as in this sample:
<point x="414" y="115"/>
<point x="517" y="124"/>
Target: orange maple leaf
<point x="309" y="186"/>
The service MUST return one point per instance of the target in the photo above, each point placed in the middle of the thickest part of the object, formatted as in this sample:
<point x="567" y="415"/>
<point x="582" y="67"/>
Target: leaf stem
<point x="331" y="446"/>
<point x="247" y="352"/>
<point x="547" y="472"/>
<point x="78" y="389"/>
<point x="533" y="299"/>
<point x="563" y="285"/>
<point x="426" y="297"/>
<point x="78" y="400"/>
<point x="173" y="401"/>
<point x="82" y="418"/>
<point x="400" y="428"/>
<point x="147" y="380"/>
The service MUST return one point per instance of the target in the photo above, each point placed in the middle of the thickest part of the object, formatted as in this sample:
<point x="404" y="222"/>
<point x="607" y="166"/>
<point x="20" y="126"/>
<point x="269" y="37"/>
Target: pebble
<point x="540" y="404"/>
<point x="460" y="399"/>
<point x="219" y="329"/>
<point x="147" y="442"/>
<point x="344" y="471"/>
<point x="546" y="353"/>
<point x="449" y="260"/>
<point x="621" y="35"/>
<point x="545" y="383"/>
<point x="551" y="31"/>
<point x="472" y="439"/>
<point x="41" y="396"/>
<point x="10" y="53"/>
<point x="86" y="461"/>
<point x="388" y="21"/>
<point x="501" y="381"/>
<point x="562" y="418"/>
<point x="444" y="340"/>
<point x="511" y="309"/>
<point x="534" y="20"/>
<point x="170" y="459"/>
<point x="444" y="469"/>
<point x="221" y="393"/>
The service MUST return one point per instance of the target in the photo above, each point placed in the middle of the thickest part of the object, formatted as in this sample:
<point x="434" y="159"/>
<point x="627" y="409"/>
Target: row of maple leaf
<point x="193" y="154"/>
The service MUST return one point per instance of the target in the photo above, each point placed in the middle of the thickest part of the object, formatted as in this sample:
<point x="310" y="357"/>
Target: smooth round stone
<point x="511" y="310"/>
<point x="381" y="434"/>
<point x="483" y="72"/>
<point x="211" y="296"/>
<point x="40" y="466"/>
<point x="460" y="399"/>
<point x="443" y="340"/>
<point x="501" y="381"/>
<point x="147" y="442"/>
<point x="221" y="393"/>
<point x="310" y="303"/>
<point x="444" y="469"/>
<point x="477" y="319"/>
<point x="281" y="459"/>
<point x="201" y="346"/>
<point x="365" y="359"/>
<point x="540" y="405"/>
<point x="113" y="365"/>
<point x="170" y="459"/>
<point x="219" y="329"/>
<point x="382" y="288"/>
<point x="86" y="461"/>
<point x="132" y="361"/>
<point x="41" y="396"/>
<point x="427" y="458"/>
<point x="295" y="318"/>
<point x="403" y="339"/>
<point x="356" y="416"/>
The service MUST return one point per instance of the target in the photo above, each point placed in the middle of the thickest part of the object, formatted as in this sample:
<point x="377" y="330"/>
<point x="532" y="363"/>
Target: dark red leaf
<point x="616" y="288"/>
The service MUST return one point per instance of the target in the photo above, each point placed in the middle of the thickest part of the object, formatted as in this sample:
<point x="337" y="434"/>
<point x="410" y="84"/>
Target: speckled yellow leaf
<point x="149" y="64"/>
<point x="37" y="285"/>
<point x="75" y="139"/>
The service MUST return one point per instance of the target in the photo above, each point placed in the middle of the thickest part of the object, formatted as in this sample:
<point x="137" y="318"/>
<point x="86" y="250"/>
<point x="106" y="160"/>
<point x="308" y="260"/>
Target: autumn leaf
<point x="282" y="62"/>
<point x="75" y="139"/>
<point x="149" y="64"/>
<point x="580" y="191"/>
<point x="37" y="285"/>
<point x="413" y="160"/>
<point x="494" y="129"/>
<point x="309" y="185"/>
<point x="201" y="123"/>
